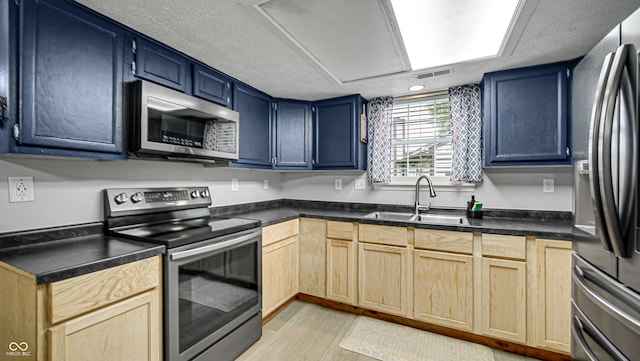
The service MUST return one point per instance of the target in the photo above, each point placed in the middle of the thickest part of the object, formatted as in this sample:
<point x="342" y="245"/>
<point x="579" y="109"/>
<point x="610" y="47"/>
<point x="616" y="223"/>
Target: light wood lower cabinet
<point x="312" y="256"/>
<point x="341" y="271"/>
<point x="504" y="302"/>
<point x="383" y="275"/>
<point x="127" y="330"/>
<point x="112" y="314"/>
<point x="279" y="273"/>
<point x="553" y="301"/>
<point x="443" y="289"/>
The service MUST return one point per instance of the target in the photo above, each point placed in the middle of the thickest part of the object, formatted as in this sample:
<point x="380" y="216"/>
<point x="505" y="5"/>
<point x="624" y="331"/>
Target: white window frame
<point x="442" y="183"/>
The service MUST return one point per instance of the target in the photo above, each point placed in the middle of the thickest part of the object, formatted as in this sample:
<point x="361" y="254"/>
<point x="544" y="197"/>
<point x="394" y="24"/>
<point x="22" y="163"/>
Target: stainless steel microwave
<point x="164" y="122"/>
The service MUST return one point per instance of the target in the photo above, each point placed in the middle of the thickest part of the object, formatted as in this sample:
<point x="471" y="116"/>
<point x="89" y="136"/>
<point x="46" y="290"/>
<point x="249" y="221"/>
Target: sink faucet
<point x="432" y="193"/>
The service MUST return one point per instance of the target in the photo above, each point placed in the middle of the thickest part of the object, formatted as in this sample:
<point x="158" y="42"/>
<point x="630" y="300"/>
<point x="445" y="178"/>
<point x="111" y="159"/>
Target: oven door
<point x="212" y="288"/>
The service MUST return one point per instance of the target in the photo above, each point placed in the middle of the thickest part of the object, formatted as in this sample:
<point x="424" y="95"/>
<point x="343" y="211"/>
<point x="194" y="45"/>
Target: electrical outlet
<point x="234" y="184"/>
<point x="360" y="184"/>
<point x="548" y="186"/>
<point x="265" y="184"/>
<point x="21" y="189"/>
<point x="338" y="184"/>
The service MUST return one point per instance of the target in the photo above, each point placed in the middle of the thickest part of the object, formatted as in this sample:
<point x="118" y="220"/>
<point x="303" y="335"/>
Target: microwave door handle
<point x="594" y="152"/>
<point x="609" y="208"/>
<point x="213" y="247"/>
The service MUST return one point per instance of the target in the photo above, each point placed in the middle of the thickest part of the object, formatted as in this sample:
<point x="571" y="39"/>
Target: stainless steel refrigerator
<point x="606" y="265"/>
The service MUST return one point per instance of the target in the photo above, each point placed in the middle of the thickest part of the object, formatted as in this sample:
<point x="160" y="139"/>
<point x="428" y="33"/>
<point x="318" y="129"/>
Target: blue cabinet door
<point x="337" y="142"/>
<point x="211" y="85"/>
<point x="255" y="110"/>
<point x="525" y="116"/>
<point x="71" y="79"/>
<point x="293" y="135"/>
<point x="162" y="65"/>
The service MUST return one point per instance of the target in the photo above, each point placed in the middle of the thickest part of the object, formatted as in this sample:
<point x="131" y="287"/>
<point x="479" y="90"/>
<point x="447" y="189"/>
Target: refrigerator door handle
<point x="613" y="220"/>
<point x="603" y="304"/>
<point x="627" y="156"/>
<point x="584" y="326"/>
<point x="595" y="137"/>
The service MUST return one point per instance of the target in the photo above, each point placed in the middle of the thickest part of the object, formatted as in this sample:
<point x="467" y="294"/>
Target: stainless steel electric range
<point x="212" y="268"/>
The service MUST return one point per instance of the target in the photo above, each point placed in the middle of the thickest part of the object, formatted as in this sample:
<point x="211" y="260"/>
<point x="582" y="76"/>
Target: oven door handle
<point x="213" y="247"/>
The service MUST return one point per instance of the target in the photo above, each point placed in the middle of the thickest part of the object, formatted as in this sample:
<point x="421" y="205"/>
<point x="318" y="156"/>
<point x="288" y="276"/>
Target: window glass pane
<point x="421" y="138"/>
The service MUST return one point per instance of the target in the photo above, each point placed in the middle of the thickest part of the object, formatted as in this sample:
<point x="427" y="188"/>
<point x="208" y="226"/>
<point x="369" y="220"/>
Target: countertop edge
<point x="98" y="265"/>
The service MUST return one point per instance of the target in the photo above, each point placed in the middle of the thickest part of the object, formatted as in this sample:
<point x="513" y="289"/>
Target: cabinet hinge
<point x="274" y="106"/>
<point x="313" y="109"/>
<point x="313" y="162"/>
<point x="16" y="132"/>
<point x="134" y="46"/>
<point x="568" y="73"/>
<point x="228" y="100"/>
<point x="133" y="67"/>
<point x="568" y="152"/>
<point x="17" y="2"/>
<point x="228" y="85"/>
<point x="274" y="160"/>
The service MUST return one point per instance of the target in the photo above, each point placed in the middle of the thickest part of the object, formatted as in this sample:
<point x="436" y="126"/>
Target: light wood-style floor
<point x="308" y="332"/>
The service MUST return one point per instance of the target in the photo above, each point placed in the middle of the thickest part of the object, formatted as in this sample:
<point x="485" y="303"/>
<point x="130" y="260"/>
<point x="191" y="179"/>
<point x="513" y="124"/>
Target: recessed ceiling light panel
<point x="441" y="32"/>
<point x="415" y="88"/>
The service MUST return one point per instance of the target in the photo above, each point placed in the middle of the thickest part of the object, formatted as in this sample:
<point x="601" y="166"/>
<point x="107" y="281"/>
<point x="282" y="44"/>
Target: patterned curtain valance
<point x="466" y="125"/>
<point x="379" y="138"/>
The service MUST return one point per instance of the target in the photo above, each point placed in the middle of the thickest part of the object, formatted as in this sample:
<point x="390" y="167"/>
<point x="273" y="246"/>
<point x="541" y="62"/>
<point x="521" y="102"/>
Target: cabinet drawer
<point x="276" y="232"/>
<point x="448" y="241"/>
<point x="395" y="236"/>
<point x="340" y="230"/>
<point x="78" y="295"/>
<point x="504" y="246"/>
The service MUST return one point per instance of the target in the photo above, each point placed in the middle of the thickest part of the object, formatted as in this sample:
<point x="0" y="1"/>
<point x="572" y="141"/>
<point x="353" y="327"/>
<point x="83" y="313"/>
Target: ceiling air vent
<point x="432" y="74"/>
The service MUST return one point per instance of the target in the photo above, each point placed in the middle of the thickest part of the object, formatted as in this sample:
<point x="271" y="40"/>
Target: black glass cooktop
<point x="178" y="233"/>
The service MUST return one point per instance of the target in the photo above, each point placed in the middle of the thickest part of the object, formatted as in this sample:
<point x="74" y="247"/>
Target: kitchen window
<point x="421" y="138"/>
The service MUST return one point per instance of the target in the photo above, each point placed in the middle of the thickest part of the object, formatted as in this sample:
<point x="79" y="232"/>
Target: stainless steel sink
<point x="391" y="216"/>
<point x="442" y="219"/>
<point x="431" y="218"/>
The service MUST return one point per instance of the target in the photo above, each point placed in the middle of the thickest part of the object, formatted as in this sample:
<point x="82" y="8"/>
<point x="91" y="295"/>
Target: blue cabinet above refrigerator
<point x="525" y="116"/>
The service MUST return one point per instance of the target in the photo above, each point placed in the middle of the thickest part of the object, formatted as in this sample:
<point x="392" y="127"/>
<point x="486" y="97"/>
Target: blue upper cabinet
<point x="211" y="85"/>
<point x="292" y="132"/>
<point x="336" y="138"/>
<point x="256" y="111"/>
<point x="525" y="116"/>
<point x="160" y="64"/>
<point x="70" y="88"/>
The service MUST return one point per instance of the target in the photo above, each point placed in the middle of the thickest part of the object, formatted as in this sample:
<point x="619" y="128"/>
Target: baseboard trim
<point x="462" y="335"/>
<point x="280" y="308"/>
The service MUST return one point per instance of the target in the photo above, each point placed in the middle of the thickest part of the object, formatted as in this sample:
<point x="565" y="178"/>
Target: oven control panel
<point x="126" y="201"/>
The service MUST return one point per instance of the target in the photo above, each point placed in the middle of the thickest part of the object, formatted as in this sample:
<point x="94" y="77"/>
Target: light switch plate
<point x="338" y="184"/>
<point x="234" y="184"/>
<point x="360" y="184"/>
<point x="265" y="184"/>
<point x="548" y="185"/>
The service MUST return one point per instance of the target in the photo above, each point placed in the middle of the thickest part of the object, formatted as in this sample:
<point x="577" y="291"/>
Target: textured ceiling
<point x="232" y="36"/>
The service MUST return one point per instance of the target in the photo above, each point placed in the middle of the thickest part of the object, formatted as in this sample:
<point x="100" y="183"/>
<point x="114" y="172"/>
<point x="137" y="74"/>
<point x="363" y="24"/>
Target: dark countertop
<point x="55" y="260"/>
<point x="64" y="252"/>
<point x="555" y="225"/>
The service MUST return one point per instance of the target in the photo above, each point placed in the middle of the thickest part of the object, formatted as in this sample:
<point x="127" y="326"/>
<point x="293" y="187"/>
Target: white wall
<point x="505" y="188"/>
<point x="69" y="191"/>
